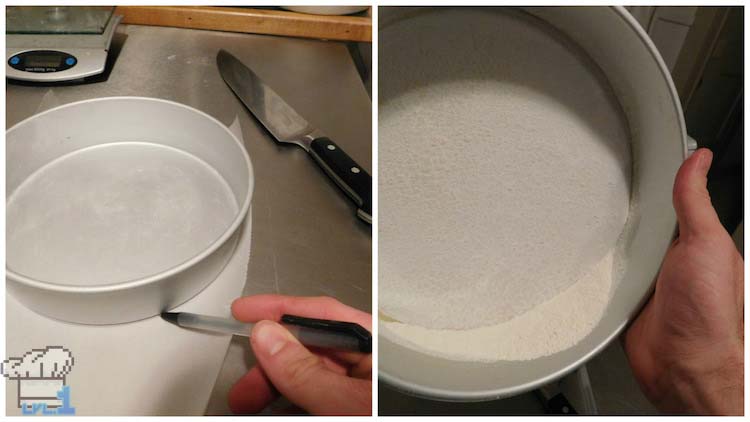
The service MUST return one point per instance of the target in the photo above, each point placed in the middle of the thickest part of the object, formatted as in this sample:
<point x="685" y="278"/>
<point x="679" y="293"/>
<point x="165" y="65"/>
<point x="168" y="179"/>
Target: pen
<point x="322" y="333"/>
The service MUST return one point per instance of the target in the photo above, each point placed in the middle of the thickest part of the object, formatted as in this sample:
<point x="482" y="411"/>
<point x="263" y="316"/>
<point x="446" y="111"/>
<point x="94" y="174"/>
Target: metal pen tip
<point x="170" y="317"/>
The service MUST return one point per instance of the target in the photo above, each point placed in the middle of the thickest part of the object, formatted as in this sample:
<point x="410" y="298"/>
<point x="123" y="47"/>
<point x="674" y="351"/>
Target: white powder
<point x="504" y="186"/>
<point x="549" y="328"/>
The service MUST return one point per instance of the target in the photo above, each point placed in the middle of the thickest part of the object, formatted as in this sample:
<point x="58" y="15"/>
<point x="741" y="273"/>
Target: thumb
<point x="303" y="377"/>
<point x="692" y="203"/>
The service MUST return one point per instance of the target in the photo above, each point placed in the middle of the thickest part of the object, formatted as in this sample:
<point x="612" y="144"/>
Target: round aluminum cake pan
<point x="119" y="208"/>
<point x="637" y="75"/>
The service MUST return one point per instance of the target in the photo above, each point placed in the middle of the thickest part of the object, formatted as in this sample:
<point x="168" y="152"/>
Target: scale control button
<point x="70" y="61"/>
<point x="15" y="60"/>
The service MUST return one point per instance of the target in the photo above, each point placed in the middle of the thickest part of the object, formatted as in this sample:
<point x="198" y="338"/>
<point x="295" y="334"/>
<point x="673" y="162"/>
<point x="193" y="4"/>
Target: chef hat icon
<point x="40" y="374"/>
<point x="50" y="362"/>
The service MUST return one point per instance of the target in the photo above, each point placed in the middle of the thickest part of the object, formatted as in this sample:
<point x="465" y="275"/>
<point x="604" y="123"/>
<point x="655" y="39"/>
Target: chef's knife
<point x="287" y="126"/>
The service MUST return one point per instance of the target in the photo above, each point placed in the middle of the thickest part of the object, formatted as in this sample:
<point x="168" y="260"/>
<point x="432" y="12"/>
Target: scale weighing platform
<point x="57" y="43"/>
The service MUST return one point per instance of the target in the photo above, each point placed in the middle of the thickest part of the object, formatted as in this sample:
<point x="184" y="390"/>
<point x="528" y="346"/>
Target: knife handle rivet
<point x="331" y="147"/>
<point x="355" y="170"/>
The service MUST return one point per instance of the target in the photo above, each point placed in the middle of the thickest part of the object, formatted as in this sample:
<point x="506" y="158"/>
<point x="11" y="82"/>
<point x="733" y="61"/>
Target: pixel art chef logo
<point x="40" y="374"/>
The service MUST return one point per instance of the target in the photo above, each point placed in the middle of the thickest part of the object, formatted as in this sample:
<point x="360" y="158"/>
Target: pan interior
<point x="505" y="169"/>
<point x="641" y="82"/>
<point x="115" y="212"/>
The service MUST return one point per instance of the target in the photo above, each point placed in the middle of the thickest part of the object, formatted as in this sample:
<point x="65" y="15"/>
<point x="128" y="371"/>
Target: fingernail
<point x="270" y="337"/>
<point x="706" y="157"/>
<point x="701" y="156"/>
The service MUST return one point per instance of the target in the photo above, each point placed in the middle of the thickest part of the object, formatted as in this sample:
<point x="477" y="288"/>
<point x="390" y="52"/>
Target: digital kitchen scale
<point x="57" y="43"/>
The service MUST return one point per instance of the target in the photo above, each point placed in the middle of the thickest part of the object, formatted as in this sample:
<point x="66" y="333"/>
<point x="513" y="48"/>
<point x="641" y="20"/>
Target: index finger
<point x="272" y="307"/>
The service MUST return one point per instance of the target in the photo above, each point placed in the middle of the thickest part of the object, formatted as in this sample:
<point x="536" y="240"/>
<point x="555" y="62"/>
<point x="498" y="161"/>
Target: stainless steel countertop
<point x="306" y="238"/>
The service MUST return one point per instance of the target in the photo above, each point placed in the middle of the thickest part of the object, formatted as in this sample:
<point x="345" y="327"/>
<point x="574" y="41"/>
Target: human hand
<point x="323" y="382"/>
<point x="686" y="347"/>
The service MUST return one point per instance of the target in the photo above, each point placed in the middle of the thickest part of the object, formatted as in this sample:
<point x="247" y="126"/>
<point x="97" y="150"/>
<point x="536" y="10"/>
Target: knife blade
<point x="287" y="126"/>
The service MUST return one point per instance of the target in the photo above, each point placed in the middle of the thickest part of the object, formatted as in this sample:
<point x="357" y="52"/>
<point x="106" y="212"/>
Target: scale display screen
<point x="42" y="61"/>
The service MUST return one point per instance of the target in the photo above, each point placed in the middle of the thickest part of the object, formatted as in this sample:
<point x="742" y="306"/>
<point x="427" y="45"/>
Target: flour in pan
<point x="504" y="186"/>
<point x="548" y="328"/>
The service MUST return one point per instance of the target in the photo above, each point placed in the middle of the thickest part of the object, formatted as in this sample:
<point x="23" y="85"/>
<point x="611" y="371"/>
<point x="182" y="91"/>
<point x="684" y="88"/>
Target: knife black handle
<point x="346" y="173"/>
